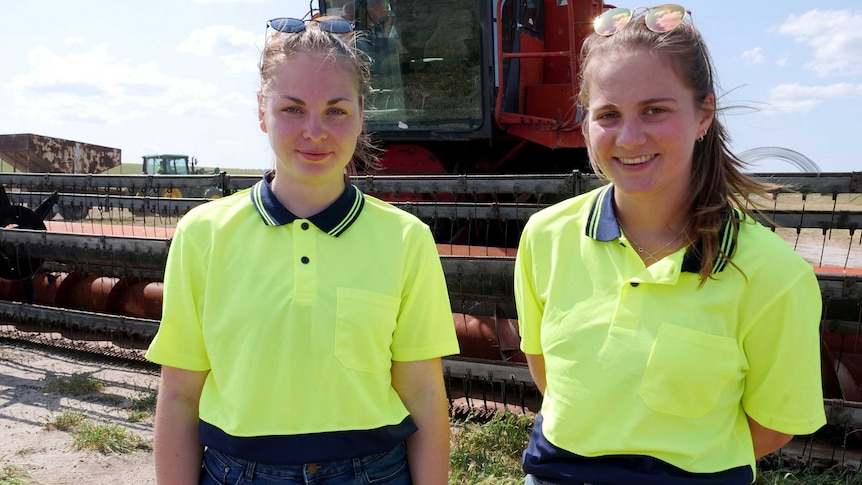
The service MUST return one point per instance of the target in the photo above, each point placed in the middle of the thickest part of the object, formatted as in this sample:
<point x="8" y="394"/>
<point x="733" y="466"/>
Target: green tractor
<point x="167" y="164"/>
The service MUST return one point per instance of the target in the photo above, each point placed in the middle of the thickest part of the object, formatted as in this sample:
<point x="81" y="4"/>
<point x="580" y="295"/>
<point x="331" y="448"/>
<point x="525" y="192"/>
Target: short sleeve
<point x="179" y="340"/>
<point x="425" y="328"/>
<point x="527" y="301"/>
<point x="783" y="389"/>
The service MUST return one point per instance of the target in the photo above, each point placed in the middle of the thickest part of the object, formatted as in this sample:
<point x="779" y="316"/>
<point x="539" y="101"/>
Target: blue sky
<point x="180" y="76"/>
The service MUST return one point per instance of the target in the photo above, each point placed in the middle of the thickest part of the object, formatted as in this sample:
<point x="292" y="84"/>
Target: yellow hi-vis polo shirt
<point x="641" y="361"/>
<point x="298" y="321"/>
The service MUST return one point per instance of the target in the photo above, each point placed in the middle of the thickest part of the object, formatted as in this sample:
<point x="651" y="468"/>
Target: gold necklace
<point x="650" y="255"/>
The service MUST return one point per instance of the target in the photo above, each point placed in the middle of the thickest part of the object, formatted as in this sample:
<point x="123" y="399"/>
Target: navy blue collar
<point x="333" y="220"/>
<point x="602" y="225"/>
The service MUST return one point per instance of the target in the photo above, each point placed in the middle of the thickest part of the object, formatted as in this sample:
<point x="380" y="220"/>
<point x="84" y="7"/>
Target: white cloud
<point x="795" y="98"/>
<point x="200" y="108"/>
<point x="236" y="48"/>
<point x="248" y="99"/>
<point x="835" y="37"/>
<point x="74" y="41"/>
<point x="753" y="56"/>
<point x="93" y="87"/>
<point x="782" y="61"/>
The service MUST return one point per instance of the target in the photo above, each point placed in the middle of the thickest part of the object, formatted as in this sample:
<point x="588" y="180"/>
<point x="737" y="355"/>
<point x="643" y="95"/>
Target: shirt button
<point x="634" y="283"/>
<point x="304" y="260"/>
<point x="304" y="226"/>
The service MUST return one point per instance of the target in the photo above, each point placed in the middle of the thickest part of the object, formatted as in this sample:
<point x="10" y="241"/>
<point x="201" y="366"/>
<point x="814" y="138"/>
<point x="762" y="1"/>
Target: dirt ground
<point x="49" y="457"/>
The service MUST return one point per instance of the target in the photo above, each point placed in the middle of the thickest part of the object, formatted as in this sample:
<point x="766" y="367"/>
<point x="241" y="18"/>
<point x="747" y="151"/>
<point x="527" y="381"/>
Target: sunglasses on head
<point x="660" y="19"/>
<point x="287" y="25"/>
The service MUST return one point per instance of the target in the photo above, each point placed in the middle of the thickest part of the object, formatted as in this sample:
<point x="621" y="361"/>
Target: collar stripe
<point x="352" y="215"/>
<point x="728" y="242"/>
<point x="333" y="220"/>
<point x="597" y="213"/>
<point x="602" y="225"/>
<point x="257" y="200"/>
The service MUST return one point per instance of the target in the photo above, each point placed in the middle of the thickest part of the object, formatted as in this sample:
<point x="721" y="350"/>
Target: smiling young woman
<point x="674" y="338"/>
<point x="304" y="321"/>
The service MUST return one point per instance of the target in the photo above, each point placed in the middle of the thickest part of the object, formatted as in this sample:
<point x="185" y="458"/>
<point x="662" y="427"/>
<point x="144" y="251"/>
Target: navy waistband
<point x="307" y="448"/>
<point x="546" y="461"/>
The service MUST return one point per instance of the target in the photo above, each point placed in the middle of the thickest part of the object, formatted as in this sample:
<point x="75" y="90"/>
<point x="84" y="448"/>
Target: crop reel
<point x="20" y="266"/>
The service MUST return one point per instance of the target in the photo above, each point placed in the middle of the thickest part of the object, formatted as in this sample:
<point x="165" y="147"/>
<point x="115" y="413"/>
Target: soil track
<point x="49" y="457"/>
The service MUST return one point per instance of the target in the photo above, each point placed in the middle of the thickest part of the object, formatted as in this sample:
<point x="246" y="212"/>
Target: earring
<point x="700" y="138"/>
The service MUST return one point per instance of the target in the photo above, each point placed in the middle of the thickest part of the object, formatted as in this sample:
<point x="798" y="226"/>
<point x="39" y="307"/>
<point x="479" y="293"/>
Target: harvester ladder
<point x="506" y="119"/>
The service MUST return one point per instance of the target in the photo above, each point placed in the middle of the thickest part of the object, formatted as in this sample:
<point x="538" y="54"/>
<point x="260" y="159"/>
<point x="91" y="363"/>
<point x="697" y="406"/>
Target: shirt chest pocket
<point x="364" y="325"/>
<point x="687" y="371"/>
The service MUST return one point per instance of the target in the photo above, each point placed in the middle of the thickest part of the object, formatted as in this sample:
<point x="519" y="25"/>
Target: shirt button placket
<point x="305" y="250"/>
<point x="304" y="259"/>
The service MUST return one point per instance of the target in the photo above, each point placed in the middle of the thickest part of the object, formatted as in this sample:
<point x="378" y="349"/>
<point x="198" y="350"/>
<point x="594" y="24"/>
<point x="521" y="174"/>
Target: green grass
<point x="77" y="384"/>
<point x="91" y="436"/>
<point x="143" y="405"/>
<point x="808" y="477"/>
<point x="13" y="474"/>
<point x="489" y="453"/>
<point x="65" y="421"/>
<point x="105" y="438"/>
<point x="781" y="470"/>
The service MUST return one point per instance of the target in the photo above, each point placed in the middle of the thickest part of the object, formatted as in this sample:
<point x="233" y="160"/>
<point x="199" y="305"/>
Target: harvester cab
<point x="483" y="86"/>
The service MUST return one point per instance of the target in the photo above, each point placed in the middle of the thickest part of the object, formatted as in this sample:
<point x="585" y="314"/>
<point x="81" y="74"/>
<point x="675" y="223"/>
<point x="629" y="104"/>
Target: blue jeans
<point x="387" y="468"/>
